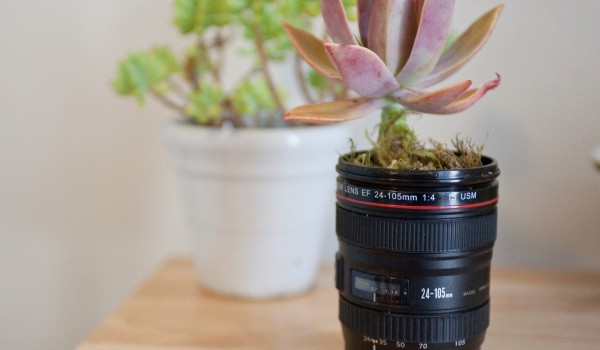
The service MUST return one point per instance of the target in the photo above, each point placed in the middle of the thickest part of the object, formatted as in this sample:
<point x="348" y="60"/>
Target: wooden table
<point x="531" y="310"/>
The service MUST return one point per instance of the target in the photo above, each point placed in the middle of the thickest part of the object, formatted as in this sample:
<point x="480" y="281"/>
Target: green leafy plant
<point x="402" y="49"/>
<point x="194" y="87"/>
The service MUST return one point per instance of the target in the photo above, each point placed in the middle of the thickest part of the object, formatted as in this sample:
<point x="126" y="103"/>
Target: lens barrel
<point x="415" y="248"/>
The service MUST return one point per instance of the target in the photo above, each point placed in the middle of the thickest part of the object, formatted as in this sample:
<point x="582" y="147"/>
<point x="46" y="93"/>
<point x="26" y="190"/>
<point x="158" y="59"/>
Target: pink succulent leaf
<point x="362" y="70"/>
<point x="336" y="111"/>
<point x="364" y="8"/>
<point x="469" y="98"/>
<point x="311" y="49"/>
<point x="465" y="47"/>
<point x="434" y="25"/>
<point x="377" y="36"/>
<point x="430" y="102"/>
<point x="402" y="26"/>
<point x="336" y="22"/>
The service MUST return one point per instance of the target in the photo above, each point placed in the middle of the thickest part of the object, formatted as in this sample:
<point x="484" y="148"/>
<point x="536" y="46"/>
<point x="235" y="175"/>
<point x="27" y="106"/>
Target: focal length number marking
<point x="435" y="293"/>
<point x="396" y="196"/>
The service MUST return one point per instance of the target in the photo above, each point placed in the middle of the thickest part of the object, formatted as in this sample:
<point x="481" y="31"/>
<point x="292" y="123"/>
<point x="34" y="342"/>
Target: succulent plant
<point x="193" y="85"/>
<point x="400" y="53"/>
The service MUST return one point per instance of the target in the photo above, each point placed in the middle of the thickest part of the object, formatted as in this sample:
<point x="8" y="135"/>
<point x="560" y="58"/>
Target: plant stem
<point x="203" y="51"/>
<point x="230" y="115"/>
<point x="191" y="74"/>
<point x="219" y="42"/>
<point x="262" y="56"/>
<point x="301" y="80"/>
<point x="168" y="102"/>
<point x="390" y="115"/>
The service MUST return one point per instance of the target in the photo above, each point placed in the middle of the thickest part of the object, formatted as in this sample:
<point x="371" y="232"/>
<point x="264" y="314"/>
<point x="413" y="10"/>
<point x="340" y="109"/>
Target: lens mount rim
<point x="418" y="178"/>
<point x="440" y="328"/>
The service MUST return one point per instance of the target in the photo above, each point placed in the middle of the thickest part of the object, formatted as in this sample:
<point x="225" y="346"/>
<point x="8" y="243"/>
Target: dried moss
<point x="398" y="147"/>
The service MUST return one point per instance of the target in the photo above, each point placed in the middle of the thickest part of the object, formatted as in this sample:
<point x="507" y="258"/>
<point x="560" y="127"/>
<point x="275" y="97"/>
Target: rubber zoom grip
<point x="416" y="235"/>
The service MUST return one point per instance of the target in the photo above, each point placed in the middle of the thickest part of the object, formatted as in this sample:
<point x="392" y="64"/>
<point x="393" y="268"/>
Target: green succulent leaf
<point x="251" y="97"/>
<point x="205" y="103"/>
<point x="350" y="7"/>
<point x="316" y="80"/>
<point x="267" y="18"/>
<point x="145" y="71"/>
<point x="185" y="11"/>
<point x="198" y="15"/>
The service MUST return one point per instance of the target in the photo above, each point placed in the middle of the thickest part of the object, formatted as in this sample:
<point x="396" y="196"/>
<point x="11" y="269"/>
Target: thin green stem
<point x="390" y="116"/>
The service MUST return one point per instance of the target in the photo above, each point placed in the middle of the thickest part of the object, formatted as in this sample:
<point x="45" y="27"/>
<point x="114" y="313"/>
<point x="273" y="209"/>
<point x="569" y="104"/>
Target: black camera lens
<point x="415" y="248"/>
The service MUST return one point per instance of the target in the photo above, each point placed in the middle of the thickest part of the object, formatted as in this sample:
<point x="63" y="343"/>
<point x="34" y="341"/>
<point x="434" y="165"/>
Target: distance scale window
<point x="379" y="289"/>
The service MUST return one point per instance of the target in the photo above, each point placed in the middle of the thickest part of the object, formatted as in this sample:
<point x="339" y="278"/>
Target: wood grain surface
<point x="531" y="310"/>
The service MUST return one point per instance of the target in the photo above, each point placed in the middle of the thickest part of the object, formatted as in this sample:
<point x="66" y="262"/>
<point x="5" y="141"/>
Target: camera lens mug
<point x="415" y="248"/>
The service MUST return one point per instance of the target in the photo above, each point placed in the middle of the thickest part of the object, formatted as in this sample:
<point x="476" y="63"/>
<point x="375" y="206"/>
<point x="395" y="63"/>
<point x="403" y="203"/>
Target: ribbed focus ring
<point x="414" y="329"/>
<point x="416" y="236"/>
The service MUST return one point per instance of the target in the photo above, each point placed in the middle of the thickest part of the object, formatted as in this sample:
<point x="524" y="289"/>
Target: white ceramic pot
<point x="259" y="203"/>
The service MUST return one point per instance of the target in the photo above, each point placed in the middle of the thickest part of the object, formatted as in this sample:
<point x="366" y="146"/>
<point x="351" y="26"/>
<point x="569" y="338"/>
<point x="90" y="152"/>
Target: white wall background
<point x="87" y="201"/>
